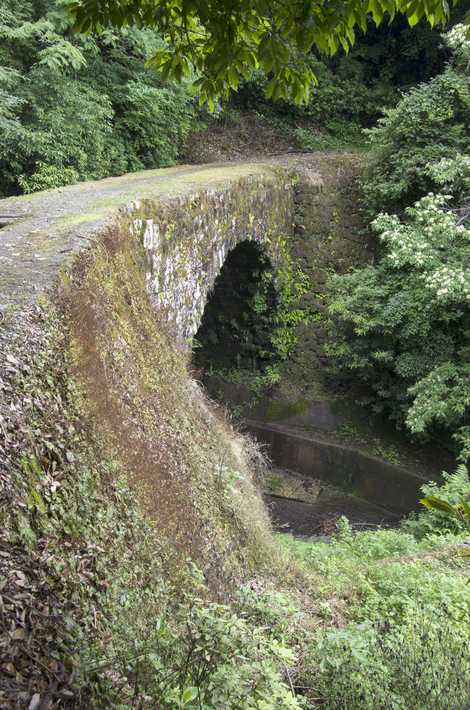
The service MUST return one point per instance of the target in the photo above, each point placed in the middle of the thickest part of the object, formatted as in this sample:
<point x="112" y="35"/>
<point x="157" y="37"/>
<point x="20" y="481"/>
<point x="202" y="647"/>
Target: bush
<point x="154" y="122"/>
<point x="47" y="177"/>
<point x="420" y="664"/>
<point x="197" y="653"/>
<point x="394" y="613"/>
<point x="57" y="148"/>
<point x="455" y="487"/>
<point x="431" y="122"/>
<point x="402" y="325"/>
<point x="338" y="135"/>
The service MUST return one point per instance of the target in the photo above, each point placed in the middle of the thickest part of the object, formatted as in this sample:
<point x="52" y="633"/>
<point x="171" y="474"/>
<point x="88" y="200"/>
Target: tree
<point x="79" y="107"/>
<point x="224" y="41"/>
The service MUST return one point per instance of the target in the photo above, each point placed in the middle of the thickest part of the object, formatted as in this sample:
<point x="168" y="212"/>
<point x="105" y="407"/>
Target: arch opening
<point x="240" y="315"/>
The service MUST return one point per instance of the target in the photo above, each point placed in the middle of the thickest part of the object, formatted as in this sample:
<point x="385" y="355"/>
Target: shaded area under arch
<point x="240" y="314"/>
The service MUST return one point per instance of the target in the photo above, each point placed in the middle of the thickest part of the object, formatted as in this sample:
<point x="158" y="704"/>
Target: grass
<point x="392" y="617"/>
<point x="75" y="220"/>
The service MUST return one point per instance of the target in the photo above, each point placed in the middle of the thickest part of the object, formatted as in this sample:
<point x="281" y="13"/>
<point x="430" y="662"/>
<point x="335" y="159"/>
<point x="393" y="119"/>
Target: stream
<point x="314" y="482"/>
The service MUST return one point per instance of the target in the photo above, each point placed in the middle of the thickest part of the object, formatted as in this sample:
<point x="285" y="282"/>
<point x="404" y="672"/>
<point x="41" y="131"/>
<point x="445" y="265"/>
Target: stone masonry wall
<point x="187" y="240"/>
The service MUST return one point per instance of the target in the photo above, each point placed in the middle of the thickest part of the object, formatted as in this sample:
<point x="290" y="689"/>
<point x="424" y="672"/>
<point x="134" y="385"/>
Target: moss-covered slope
<point x="127" y="500"/>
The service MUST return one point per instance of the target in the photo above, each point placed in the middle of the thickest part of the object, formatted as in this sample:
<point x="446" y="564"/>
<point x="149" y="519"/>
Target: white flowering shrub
<point x="430" y="123"/>
<point x="432" y="244"/>
<point x="458" y="41"/>
<point x="457" y="37"/>
<point x="453" y="175"/>
<point x="403" y="325"/>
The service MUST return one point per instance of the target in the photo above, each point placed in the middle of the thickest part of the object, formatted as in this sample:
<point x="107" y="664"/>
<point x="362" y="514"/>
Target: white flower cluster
<point x="449" y="284"/>
<point x="433" y="244"/>
<point x="457" y="37"/>
<point x="421" y="242"/>
<point x="453" y="173"/>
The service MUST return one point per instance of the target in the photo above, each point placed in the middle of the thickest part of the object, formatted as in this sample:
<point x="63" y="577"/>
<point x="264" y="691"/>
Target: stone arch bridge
<point x="100" y="253"/>
<point x="187" y="220"/>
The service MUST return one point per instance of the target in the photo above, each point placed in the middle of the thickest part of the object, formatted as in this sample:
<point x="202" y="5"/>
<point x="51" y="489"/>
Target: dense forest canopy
<point x="77" y="107"/>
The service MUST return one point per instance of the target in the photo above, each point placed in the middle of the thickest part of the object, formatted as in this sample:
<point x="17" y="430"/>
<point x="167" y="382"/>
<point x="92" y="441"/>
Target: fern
<point x="9" y="102"/>
<point x="61" y="55"/>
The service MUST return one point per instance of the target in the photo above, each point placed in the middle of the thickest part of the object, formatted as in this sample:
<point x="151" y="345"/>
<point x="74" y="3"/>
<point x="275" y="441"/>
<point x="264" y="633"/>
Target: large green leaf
<point x="433" y="503"/>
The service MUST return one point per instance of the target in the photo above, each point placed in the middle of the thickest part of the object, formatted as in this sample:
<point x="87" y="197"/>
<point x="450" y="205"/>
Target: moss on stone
<point x="280" y="409"/>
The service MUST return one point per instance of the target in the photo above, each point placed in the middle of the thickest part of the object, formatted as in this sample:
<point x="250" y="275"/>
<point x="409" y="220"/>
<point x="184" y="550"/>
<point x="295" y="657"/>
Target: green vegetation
<point x="76" y="107"/>
<point x="125" y="616"/>
<point x="223" y="44"/>
<point x="394" y="613"/>
<point x="138" y="565"/>
<point x="249" y="322"/>
<point x="119" y="595"/>
<point x="430" y="123"/>
<point x="353" y="87"/>
<point x="401" y="326"/>
<point x="80" y="106"/>
<point x="447" y="503"/>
